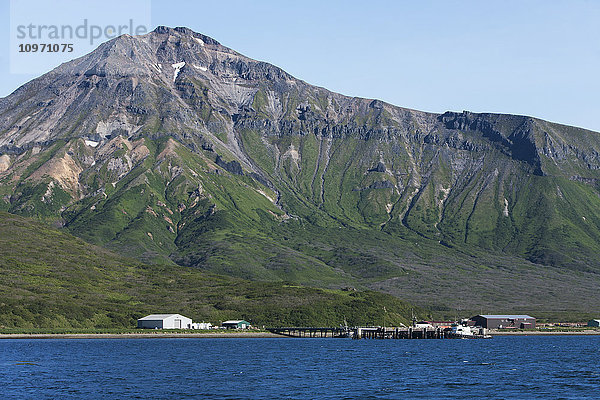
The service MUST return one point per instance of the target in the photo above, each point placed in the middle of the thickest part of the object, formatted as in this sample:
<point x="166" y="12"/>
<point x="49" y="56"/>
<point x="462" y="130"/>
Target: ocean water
<point x="532" y="367"/>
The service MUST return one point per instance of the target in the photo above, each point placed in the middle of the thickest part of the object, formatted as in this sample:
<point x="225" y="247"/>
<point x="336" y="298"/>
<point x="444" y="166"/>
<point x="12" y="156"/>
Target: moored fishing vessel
<point x="460" y="331"/>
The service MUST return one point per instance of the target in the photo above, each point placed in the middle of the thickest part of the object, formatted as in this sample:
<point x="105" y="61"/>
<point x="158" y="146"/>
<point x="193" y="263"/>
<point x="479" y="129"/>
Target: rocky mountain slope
<point x="171" y="147"/>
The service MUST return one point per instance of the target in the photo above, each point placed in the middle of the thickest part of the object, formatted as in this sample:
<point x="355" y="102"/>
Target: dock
<point x="310" y="332"/>
<point x="374" y="332"/>
<point x="399" y="333"/>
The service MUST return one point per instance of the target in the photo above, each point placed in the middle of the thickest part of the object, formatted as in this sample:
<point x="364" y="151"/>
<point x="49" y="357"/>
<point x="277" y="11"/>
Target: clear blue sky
<point x="539" y="58"/>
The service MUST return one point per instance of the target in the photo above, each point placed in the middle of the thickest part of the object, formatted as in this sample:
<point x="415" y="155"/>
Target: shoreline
<point x="161" y="335"/>
<point x="238" y="335"/>
<point x="543" y="333"/>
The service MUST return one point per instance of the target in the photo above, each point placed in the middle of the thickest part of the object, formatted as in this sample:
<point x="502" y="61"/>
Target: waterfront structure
<point x="459" y="331"/>
<point x="594" y="322"/>
<point x="165" y="321"/>
<point x="379" y="332"/>
<point x="202" y="325"/>
<point x="442" y="324"/>
<point x="236" y="324"/>
<point x="504" y="321"/>
<point x="311" y="332"/>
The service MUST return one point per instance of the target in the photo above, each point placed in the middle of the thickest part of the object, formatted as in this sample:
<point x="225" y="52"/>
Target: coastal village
<point x="178" y="321"/>
<point x="477" y="327"/>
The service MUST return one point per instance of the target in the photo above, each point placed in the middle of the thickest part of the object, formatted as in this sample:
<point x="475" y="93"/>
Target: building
<point x="202" y="325"/>
<point x="442" y="324"/>
<point x="422" y="325"/>
<point x="165" y="321"/>
<point x="504" y="321"/>
<point x="236" y="324"/>
<point x="594" y="322"/>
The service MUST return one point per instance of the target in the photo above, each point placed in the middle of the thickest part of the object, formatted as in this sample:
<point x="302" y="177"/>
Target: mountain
<point x="173" y="148"/>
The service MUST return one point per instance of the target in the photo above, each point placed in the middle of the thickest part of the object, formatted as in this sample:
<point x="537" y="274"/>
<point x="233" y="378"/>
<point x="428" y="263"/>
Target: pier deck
<point x="361" y="332"/>
<point x="376" y="332"/>
<point x="399" y="333"/>
<point x="321" y="332"/>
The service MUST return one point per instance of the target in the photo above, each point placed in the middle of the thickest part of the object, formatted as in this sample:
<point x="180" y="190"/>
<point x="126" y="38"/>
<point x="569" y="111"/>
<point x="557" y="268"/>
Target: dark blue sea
<point x="533" y="367"/>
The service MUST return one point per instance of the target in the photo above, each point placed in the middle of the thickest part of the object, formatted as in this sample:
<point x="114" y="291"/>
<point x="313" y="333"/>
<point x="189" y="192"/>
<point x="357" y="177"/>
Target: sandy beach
<point x="209" y="335"/>
<point x="542" y="333"/>
<point x="152" y="335"/>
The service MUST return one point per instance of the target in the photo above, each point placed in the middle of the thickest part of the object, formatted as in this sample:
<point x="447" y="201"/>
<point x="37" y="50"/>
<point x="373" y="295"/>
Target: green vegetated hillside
<point x="231" y="166"/>
<point x="52" y="280"/>
<point x="213" y="220"/>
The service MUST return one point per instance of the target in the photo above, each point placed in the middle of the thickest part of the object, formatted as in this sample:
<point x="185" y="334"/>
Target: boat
<point x="459" y="331"/>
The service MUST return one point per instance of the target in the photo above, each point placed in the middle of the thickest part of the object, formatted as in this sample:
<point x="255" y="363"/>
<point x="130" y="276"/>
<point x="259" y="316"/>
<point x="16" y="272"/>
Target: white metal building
<point x="165" y="321"/>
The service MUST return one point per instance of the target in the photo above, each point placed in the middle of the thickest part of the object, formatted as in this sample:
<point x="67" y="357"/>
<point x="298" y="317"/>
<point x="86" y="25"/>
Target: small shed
<point x="594" y="322"/>
<point x="165" y="321"/>
<point x="236" y="324"/>
<point x="504" y="321"/>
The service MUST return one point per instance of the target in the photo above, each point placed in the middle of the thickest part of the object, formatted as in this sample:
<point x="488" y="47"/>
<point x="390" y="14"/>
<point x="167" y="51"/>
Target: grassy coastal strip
<point x="123" y="331"/>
